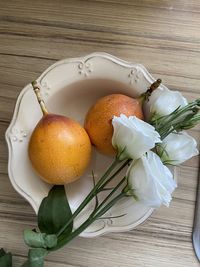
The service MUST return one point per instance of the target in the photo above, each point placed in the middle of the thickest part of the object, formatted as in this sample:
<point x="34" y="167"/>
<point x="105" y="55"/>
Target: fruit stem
<point x="145" y="96"/>
<point x="39" y="98"/>
<point x="154" y="85"/>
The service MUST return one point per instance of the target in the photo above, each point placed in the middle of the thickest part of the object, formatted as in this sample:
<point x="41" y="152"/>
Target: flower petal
<point x="151" y="181"/>
<point x="163" y="102"/>
<point x="133" y="137"/>
<point x="177" y="148"/>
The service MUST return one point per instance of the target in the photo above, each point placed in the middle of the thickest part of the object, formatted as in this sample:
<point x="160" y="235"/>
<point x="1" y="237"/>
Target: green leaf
<point x="51" y="241"/>
<point x="2" y="252"/>
<point x="54" y="213"/>
<point x="36" y="257"/>
<point x="26" y="264"/>
<point x="5" y="258"/>
<point x="39" y="240"/>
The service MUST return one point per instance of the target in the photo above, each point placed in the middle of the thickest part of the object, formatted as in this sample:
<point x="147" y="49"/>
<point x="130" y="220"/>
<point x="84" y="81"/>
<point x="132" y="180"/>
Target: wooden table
<point x="162" y="35"/>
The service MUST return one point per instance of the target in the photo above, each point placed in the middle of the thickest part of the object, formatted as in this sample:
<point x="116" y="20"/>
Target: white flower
<point x="133" y="137"/>
<point x="177" y="148"/>
<point x="150" y="181"/>
<point x="163" y="102"/>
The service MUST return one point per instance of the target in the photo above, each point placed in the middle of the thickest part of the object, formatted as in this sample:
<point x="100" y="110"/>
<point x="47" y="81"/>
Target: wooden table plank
<point x="162" y="35"/>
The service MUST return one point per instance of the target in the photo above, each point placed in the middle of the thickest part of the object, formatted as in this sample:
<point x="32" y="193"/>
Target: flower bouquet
<point x="144" y="148"/>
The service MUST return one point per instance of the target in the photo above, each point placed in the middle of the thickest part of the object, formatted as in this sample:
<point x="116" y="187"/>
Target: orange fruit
<point x="98" y="122"/>
<point x="59" y="149"/>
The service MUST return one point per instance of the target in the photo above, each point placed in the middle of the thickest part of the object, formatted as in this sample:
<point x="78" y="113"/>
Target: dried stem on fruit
<point x="39" y="98"/>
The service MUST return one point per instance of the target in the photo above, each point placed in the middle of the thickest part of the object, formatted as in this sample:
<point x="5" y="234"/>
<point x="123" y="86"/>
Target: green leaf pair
<point x="5" y="258"/>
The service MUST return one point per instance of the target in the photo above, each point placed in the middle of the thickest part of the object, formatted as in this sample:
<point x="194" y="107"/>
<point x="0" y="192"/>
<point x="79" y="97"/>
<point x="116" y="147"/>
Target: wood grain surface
<point x="164" y="35"/>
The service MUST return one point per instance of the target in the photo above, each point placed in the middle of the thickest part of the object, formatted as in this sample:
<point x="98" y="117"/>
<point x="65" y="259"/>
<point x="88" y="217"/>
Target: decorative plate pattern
<point x="70" y="87"/>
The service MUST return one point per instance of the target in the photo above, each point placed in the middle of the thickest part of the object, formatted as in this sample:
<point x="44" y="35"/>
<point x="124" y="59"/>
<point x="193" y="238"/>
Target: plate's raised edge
<point x="10" y="152"/>
<point x="93" y="55"/>
<point x="107" y="229"/>
<point x="104" y="55"/>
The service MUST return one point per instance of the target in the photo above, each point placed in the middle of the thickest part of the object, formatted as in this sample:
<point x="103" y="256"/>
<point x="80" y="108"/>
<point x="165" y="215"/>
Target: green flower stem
<point x="114" y="174"/>
<point x="108" y="196"/>
<point x="182" y="118"/>
<point x="97" y="213"/>
<point x="109" y="205"/>
<point x="91" y="219"/>
<point x="162" y="136"/>
<point x="90" y="195"/>
<point x="175" y="114"/>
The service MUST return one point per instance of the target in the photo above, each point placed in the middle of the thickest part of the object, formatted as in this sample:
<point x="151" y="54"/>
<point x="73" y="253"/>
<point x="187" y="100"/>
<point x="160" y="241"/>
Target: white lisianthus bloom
<point x="163" y="102"/>
<point x="177" y="148"/>
<point x="149" y="181"/>
<point x="133" y="137"/>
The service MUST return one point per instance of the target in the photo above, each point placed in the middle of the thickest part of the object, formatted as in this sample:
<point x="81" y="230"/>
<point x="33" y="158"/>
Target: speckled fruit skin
<point x="98" y="122"/>
<point x="59" y="149"/>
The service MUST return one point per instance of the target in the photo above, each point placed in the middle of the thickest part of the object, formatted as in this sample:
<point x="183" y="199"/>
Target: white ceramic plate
<point x="70" y="87"/>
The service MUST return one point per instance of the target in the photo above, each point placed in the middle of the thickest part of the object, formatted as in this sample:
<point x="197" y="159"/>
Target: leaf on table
<point x="26" y="264"/>
<point x="2" y="252"/>
<point x="5" y="258"/>
<point x="39" y="240"/>
<point x="36" y="257"/>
